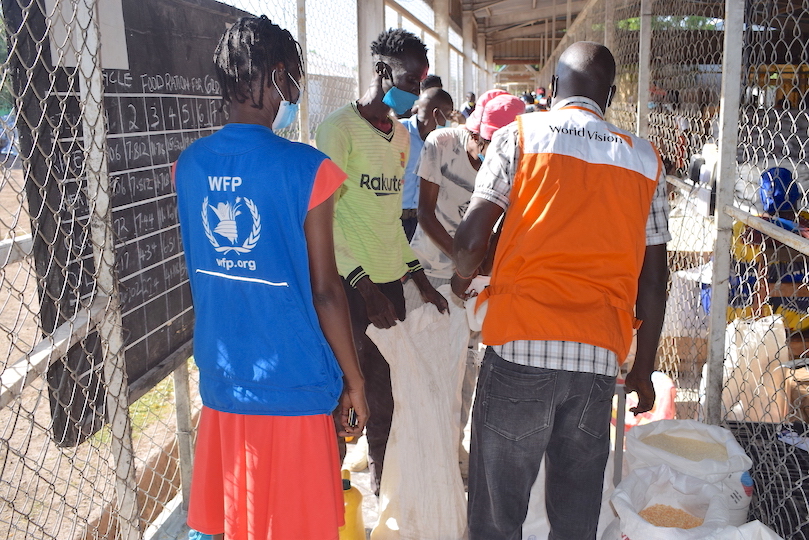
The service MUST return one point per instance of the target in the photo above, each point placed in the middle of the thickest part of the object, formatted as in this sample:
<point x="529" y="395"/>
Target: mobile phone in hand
<point x="352" y="417"/>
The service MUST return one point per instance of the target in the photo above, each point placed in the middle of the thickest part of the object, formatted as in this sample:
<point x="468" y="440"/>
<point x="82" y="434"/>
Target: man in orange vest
<point x="581" y="253"/>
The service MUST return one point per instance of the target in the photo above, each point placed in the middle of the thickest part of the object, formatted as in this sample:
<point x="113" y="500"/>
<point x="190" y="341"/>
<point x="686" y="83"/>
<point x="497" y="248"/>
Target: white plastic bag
<point x="730" y="475"/>
<point x="754" y="370"/>
<point x="421" y="494"/>
<point x="474" y="314"/>
<point x="649" y="486"/>
<point x="755" y="530"/>
<point x="685" y="316"/>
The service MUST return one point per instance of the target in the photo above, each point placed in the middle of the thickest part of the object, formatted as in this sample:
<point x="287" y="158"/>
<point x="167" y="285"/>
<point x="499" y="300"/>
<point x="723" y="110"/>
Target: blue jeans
<point x="521" y="414"/>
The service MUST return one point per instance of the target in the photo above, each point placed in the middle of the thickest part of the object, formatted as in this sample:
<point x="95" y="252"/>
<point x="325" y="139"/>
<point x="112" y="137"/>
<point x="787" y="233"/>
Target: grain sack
<point x="754" y="371"/>
<point x="661" y="492"/>
<point x="690" y="447"/>
<point x="663" y="515"/>
<point x="422" y="494"/>
<point x="755" y="530"/>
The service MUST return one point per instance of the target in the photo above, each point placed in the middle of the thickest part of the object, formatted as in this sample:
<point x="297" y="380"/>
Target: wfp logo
<point x="227" y="225"/>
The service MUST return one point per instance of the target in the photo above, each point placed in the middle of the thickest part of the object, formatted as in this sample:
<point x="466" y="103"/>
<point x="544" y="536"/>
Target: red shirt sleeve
<point x="329" y="177"/>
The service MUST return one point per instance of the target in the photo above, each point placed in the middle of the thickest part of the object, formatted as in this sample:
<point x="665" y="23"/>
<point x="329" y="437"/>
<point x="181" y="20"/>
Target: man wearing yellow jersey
<point x="372" y="252"/>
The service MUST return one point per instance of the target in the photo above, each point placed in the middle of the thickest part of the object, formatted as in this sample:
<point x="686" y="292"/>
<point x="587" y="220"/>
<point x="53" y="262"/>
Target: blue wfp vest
<point x="242" y="197"/>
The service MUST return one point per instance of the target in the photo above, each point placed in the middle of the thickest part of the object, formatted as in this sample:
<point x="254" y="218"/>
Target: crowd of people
<point x="293" y="258"/>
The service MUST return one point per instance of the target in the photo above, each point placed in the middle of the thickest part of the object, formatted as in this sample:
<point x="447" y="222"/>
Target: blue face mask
<point x="399" y="100"/>
<point x="481" y="157"/>
<point x="447" y="123"/>
<point x="287" y="112"/>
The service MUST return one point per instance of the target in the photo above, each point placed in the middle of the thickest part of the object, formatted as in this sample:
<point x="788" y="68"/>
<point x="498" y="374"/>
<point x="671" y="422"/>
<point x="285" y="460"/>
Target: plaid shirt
<point x="493" y="183"/>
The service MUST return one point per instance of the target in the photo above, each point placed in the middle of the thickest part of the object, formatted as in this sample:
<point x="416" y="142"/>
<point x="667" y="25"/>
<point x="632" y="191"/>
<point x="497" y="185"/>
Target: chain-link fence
<point x="679" y="80"/>
<point x="98" y="400"/>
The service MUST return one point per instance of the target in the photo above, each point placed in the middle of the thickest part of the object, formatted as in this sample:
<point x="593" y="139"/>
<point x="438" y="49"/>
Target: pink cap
<point x="494" y="109"/>
<point x="473" y="122"/>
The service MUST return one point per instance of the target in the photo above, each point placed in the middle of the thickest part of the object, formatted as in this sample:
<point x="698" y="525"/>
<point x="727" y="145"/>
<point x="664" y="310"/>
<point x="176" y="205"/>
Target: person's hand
<point x="428" y="292"/>
<point x="642" y="384"/>
<point x="435" y="298"/>
<point x="460" y="285"/>
<point x="351" y="398"/>
<point x="380" y="310"/>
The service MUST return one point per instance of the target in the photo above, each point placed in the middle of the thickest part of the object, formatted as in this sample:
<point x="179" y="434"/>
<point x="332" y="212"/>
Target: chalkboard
<point x="167" y="98"/>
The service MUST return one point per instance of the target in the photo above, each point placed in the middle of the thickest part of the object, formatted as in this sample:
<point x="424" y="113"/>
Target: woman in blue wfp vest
<point x="272" y="337"/>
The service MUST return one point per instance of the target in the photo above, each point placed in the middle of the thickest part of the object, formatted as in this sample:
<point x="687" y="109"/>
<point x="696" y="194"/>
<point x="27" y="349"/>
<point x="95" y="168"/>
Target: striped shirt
<point x="368" y="236"/>
<point x="493" y="183"/>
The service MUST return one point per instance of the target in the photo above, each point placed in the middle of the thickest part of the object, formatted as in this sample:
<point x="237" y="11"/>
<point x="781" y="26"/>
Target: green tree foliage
<point x="6" y="96"/>
<point x="671" y="22"/>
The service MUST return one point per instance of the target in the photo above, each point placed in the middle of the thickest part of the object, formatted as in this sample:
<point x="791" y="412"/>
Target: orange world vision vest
<point x="574" y="235"/>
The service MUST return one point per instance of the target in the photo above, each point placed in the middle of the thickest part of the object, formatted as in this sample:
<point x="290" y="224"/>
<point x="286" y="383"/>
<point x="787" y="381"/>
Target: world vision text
<point x="587" y="134"/>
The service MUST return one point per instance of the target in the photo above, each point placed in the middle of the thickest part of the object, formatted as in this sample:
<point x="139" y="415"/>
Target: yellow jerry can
<point x="354" y="529"/>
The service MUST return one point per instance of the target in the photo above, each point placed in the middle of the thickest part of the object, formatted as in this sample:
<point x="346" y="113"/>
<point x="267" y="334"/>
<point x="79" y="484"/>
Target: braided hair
<point x="394" y="43"/>
<point x="248" y="53"/>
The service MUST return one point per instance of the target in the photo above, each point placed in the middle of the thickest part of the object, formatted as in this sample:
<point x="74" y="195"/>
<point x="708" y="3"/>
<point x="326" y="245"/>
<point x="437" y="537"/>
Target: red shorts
<point x="266" y="477"/>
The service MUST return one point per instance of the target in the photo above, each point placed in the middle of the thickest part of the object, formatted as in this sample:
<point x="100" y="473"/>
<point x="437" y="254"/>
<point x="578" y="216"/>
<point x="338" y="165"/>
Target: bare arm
<point x="487" y="265"/>
<point x="332" y="312"/>
<point x="650" y="308"/>
<point x="428" y="292"/>
<point x="471" y="242"/>
<point x="428" y="197"/>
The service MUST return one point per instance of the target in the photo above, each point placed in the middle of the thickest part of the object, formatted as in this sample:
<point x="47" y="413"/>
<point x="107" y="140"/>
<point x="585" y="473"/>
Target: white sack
<point x="685" y="316"/>
<point x="730" y="476"/>
<point x="662" y="485"/>
<point x="755" y="530"/>
<point x="754" y="370"/>
<point x="474" y="314"/>
<point x="422" y="494"/>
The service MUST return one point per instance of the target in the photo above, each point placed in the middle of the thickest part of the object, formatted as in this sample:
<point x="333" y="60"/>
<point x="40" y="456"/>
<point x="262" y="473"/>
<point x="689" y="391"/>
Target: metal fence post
<point x="303" y="113"/>
<point x="185" y="429"/>
<point x="91" y="90"/>
<point x="725" y="185"/>
<point x="644" y="67"/>
<point x="609" y="23"/>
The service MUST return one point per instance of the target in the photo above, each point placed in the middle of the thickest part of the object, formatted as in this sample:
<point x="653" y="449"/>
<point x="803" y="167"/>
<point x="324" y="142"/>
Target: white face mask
<point x="447" y="122"/>
<point x="286" y="111"/>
